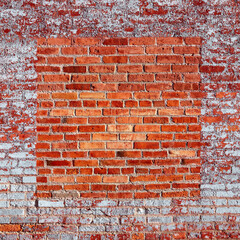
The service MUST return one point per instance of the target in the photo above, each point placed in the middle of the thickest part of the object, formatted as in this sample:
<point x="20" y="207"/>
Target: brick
<point x="89" y="179"/>
<point x="74" y="50"/>
<point x="87" y="60"/>
<point x="147" y="128"/>
<point x="130" y="50"/>
<point x="102" y="69"/>
<point x="86" y="41"/>
<point x="115" y="179"/>
<point x="91" y="128"/>
<point x="193" y="40"/>
<point x="148" y="178"/>
<point x="56" y="78"/>
<point x="163" y="136"/>
<point x="170" y="59"/>
<point x="62" y="112"/>
<point x="48" y="50"/>
<point x="102" y="50"/>
<point x="130" y="68"/>
<point x="173" y="128"/>
<point x="74" y="69"/>
<point x="212" y="69"/>
<point x="142" y="41"/>
<point x="10" y="228"/>
<point x="185" y="68"/>
<point x="119" y="145"/>
<point x="186" y="50"/>
<point x="102" y="154"/>
<point x="185" y="153"/>
<point x="60" y="60"/>
<point x="157" y="68"/>
<point x="104" y="136"/>
<point x="92" y="145"/>
<point x="142" y="112"/>
<point x="115" y="59"/>
<point x="170" y="40"/>
<point x="154" y="87"/>
<point x="114" y="78"/>
<point x="85" y="163"/>
<point x="115" y="41"/>
<point x="92" y="95"/>
<point x="159" y="50"/>
<point x="58" y="41"/>
<point x="142" y="59"/>
<point x="40" y="69"/>
<point x="61" y="95"/>
<point x="146" y="145"/>
<point x="141" y="77"/>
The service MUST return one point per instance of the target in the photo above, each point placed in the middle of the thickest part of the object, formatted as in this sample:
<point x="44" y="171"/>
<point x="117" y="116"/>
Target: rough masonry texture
<point x="119" y="117"/>
<point x="45" y="191"/>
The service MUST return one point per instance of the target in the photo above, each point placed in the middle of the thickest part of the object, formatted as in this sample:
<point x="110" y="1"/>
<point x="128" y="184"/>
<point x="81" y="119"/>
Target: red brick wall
<point x="119" y="117"/>
<point x="27" y="213"/>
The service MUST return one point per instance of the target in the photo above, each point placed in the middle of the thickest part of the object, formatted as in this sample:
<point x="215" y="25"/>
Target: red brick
<point x="146" y="145"/>
<point x="170" y="59"/>
<point x="142" y="41"/>
<point x="102" y="69"/>
<point x="115" y="41"/>
<point x="130" y="50"/>
<point x="74" y="50"/>
<point x="87" y="60"/>
<point x="141" y="77"/>
<point x="60" y="60"/>
<point x="115" y="59"/>
<point x="185" y="68"/>
<point x="193" y="40"/>
<point x="157" y="68"/>
<point x="74" y="69"/>
<point x="142" y="59"/>
<point x="102" y="50"/>
<point x="58" y="41"/>
<point x="130" y="68"/>
<point x="47" y="50"/>
<point x="56" y="78"/>
<point x="186" y="50"/>
<point x="61" y="95"/>
<point x="212" y="69"/>
<point x="115" y="179"/>
<point x="170" y="40"/>
<point x="86" y="41"/>
<point x="159" y="50"/>
<point x="156" y="87"/>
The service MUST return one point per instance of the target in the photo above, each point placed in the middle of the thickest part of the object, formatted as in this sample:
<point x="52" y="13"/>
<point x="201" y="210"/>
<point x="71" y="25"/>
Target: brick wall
<point x="26" y="213"/>
<point x="119" y="117"/>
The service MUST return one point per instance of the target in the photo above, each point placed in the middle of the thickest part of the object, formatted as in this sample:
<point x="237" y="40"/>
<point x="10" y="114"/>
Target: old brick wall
<point x="26" y="215"/>
<point x="119" y="117"/>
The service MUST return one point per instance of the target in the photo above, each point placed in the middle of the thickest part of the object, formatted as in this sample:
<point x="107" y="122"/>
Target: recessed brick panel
<point x="119" y="117"/>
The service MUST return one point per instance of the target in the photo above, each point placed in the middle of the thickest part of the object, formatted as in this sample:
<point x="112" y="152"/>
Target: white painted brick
<point x="212" y="218"/>
<point x="6" y="146"/>
<point x="159" y="219"/>
<point x="224" y="210"/>
<point x="11" y="212"/>
<point x="157" y="203"/>
<point x="29" y="179"/>
<point x="91" y="228"/>
<point x="48" y="203"/>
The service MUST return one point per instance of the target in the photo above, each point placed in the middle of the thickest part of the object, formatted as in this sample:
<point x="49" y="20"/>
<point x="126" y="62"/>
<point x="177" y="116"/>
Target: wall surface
<point x="28" y="212"/>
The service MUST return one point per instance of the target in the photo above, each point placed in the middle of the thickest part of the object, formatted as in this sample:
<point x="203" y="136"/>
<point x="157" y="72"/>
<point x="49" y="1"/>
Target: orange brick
<point x="115" y="179"/>
<point x="87" y="60"/>
<point x="115" y="59"/>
